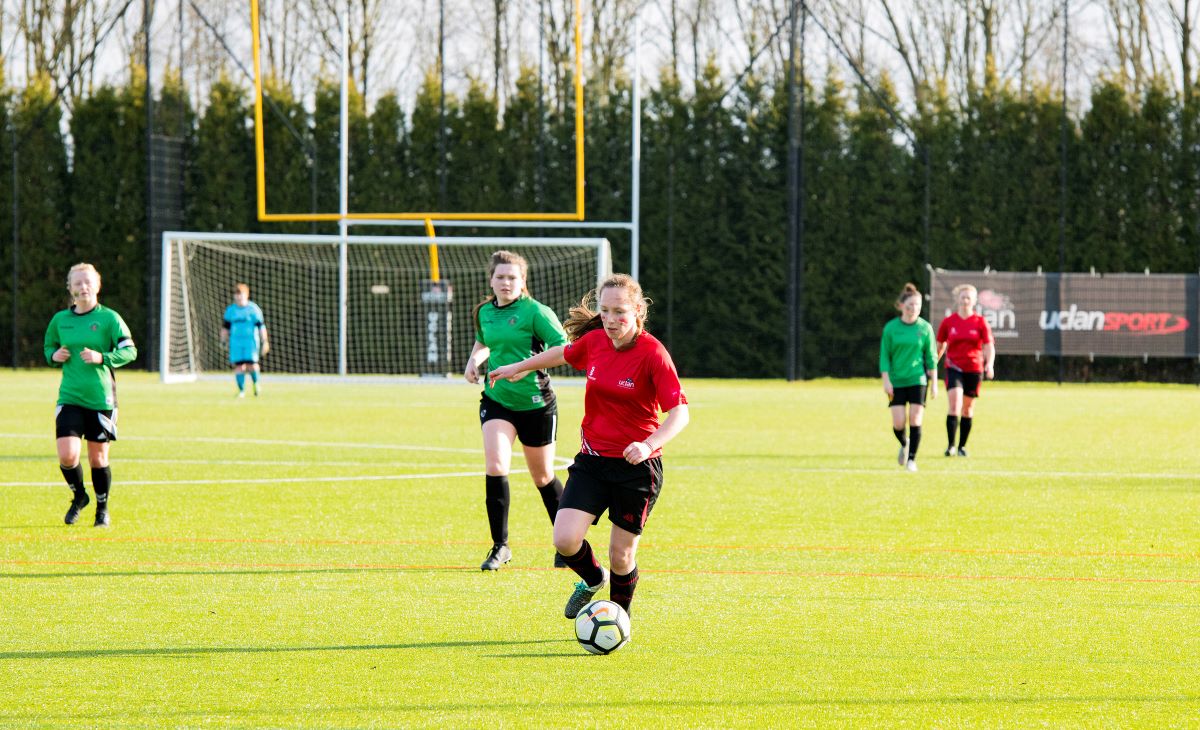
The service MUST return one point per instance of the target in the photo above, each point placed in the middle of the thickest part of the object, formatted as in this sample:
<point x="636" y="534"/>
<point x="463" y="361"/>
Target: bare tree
<point x="60" y="39"/>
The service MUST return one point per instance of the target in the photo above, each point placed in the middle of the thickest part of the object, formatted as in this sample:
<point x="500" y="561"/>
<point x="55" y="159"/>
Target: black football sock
<point x="914" y="441"/>
<point x="101" y="481"/>
<point x="74" y="477"/>
<point x="964" y="432"/>
<point x="497" y="508"/>
<point x="899" y="435"/>
<point x="951" y="429"/>
<point x="621" y="588"/>
<point x="551" y="493"/>
<point x="585" y="565"/>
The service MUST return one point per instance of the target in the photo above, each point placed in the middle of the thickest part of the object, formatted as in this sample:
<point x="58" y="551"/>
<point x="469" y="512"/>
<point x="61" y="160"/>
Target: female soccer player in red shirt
<point x="966" y="340"/>
<point x="630" y="380"/>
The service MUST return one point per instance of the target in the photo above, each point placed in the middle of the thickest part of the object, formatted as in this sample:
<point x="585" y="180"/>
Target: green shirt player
<point x="88" y="341"/>
<point x="908" y="364"/>
<point x="509" y="327"/>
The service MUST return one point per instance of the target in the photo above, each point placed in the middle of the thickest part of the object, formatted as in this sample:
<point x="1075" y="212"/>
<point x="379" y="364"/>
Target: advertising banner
<point x="1121" y="315"/>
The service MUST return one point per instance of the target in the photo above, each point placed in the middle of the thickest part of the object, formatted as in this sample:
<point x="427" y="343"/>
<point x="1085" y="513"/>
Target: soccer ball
<point x="602" y="627"/>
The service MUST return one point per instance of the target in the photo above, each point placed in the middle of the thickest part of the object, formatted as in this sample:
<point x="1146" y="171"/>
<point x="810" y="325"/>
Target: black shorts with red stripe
<point x="627" y="491"/>
<point x="969" y="382"/>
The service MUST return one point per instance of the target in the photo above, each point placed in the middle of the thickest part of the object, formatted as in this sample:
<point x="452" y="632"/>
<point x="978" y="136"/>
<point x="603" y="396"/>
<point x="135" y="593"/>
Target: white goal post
<point x="353" y="305"/>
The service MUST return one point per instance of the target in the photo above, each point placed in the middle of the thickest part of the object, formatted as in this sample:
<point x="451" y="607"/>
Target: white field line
<point x="958" y="475"/>
<point x="560" y="462"/>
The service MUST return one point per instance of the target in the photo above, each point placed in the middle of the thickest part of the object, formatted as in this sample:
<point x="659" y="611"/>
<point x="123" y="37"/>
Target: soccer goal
<point x="354" y="305"/>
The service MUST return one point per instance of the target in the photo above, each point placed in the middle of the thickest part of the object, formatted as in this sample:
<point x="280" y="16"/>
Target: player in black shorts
<point x="509" y="327"/>
<point x="88" y="341"/>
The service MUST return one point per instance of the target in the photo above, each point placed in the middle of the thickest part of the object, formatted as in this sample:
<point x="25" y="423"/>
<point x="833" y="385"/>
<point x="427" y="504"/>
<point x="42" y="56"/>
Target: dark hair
<point x="909" y="291"/>
<point x="501" y="257"/>
<point x="582" y="319"/>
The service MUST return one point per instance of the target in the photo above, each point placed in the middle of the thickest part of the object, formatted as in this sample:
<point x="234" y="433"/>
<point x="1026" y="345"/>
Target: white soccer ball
<point x="602" y="627"/>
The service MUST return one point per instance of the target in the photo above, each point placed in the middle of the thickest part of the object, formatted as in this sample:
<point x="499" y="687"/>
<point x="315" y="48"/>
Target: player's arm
<point x="55" y="353"/>
<point x="885" y="363"/>
<point x="677" y="420"/>
<point x="931" y="366"/>
<point x="989" y="360"/>
<point x="225" y="332"/>
<point x="551" y="358"/>
<point x="123" y="351"/>
<point x="479" y="355"/>
<point x="265" y="344"/>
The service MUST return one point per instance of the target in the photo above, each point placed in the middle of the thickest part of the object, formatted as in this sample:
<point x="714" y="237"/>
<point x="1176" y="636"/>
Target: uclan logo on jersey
<point x="1138" y="323"/>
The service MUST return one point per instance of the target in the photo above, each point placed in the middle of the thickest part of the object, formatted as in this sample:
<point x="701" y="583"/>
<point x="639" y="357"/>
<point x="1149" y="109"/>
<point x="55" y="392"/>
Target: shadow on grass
<point x="199" y="651"/>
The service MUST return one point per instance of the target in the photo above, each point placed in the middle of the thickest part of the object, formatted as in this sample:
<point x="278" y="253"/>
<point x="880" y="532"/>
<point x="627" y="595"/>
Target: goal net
<point x="359" y="305"/>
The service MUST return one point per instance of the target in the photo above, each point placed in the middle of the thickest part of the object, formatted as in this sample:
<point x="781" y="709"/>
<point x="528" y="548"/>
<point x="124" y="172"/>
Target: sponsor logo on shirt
<point x="626" y="383"/>
<point x="94" y="327"/>
<point x="537" y="399"/>
<point x="591" y="373"/>
<point x="512" y="321"/>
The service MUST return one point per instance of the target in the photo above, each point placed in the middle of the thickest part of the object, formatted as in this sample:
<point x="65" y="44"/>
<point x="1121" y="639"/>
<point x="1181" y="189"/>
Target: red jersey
<point x="625" y="391"/>
<point x="966" y="338"/>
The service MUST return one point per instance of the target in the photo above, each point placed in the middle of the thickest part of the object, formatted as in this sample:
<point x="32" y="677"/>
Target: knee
<point x="567" y="544"/>
<point x="621" y="559"/>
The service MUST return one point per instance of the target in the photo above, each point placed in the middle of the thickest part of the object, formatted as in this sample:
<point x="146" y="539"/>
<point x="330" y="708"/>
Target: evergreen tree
<point x="44" y="211"/>
<point x="220" y="182"/>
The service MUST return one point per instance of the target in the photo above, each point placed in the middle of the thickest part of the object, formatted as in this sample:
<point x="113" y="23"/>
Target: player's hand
<point x="637" y="452"/>
<point x="990" y="372"/>
<point x="471" y="373"/>
<point x="506" y="372"/>
<point x="266" y="347"/>
<point x="889" y="391"/>
<point x="62" y="354"/>
<point x="91" y="357"/>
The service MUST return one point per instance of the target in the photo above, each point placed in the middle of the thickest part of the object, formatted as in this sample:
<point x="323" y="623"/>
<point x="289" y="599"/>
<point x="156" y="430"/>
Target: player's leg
<point x="635" y="500"/>
<point x="239" y="376"/>
<point x="570" y="533"/>
<point x="968" y="419"/>
<point x="584" y="499"/>
<point x="498" y="436"/>
<point x="622" y="556"/>
<point x="101" y="479"/>
<point x="68" y="431"/>
<point x="916" y="415"/>
<point x="253" y="368"/>
<point x="898" y="418"/>
<point x="537" y="431"/>
<point x="954" y="404"/>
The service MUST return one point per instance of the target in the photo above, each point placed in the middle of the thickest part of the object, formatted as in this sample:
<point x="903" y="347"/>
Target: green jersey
<point x="101" y="329"/>
<point x="512" y="333"/>
<point x="907" y="352"/>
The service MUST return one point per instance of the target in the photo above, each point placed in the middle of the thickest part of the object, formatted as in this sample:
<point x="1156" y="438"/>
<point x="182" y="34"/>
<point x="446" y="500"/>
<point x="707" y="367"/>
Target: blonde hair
<point x="962" y="288"/>
<point x="908" y="292"/>
<point x="582" y="319"/>
<point x="498" y="258"/>
<point x="241" y="288"/>
<point x="83" y="267"/>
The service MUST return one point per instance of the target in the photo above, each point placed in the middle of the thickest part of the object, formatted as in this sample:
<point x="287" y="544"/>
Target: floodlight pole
<point x="344" y="192"/>
<point x="635" y="206"/>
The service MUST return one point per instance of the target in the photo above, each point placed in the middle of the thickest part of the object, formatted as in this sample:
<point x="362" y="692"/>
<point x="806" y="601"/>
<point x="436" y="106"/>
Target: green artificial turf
<point x="309" y="558"/>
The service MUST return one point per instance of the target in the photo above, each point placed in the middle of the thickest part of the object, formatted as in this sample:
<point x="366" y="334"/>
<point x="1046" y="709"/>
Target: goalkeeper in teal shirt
<point x="509" y="327"/>
<point x="908" y="365"/>
<point x="89" y="342"/>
